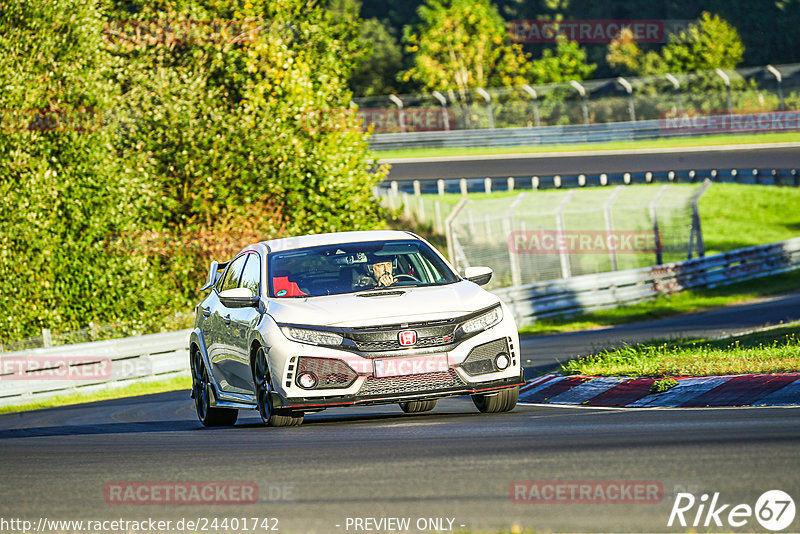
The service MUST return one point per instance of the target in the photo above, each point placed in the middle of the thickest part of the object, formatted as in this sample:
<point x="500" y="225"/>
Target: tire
<point x="418" y="406"/>
<point x="201" y="393"/>
<point x="503" y="401"/>
<point x="269" y="415"/>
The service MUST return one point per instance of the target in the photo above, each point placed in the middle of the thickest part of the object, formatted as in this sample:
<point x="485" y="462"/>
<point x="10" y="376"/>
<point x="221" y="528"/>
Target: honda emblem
<point x="408" y="337"/>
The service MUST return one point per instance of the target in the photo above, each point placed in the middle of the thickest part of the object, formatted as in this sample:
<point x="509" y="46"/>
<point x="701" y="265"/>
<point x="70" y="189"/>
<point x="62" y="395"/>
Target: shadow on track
<point x="103" y="428"/>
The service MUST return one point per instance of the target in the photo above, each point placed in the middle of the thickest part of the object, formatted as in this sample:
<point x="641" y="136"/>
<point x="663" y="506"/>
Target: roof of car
<point x="290" y="243"/>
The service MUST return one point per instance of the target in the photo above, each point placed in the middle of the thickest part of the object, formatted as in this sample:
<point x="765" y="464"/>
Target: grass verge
<point x="704" y="141"/>
<point x="694" y="300"/>
<point x="132" y="390"/>
<point x="771" y="350"/>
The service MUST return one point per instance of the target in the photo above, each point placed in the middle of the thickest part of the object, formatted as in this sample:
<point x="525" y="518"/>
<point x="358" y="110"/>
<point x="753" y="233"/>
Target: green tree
<point x="248" y="132"/>
<point x="63" y="191"/>
<point x="461" y="45"/>
<point x="377" y="72"/>
<point x="709" y="44"/>
<point x="567" y="62"/>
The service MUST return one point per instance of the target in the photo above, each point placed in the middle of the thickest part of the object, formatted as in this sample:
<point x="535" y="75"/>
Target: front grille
<point x="410" y="384"/>
<point x="481" y="359"/>
<point x="380" y="339"/>
<point x="376" y="346"/>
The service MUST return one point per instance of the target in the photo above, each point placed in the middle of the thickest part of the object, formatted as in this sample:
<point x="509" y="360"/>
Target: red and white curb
<point x="736" y="390"/>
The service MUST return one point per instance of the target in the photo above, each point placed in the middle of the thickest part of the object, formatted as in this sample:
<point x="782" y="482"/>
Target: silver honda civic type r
<point x="298" y="325"/>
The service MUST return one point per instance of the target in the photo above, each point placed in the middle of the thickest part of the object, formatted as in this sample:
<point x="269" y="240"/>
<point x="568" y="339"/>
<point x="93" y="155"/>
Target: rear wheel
<point x="270" y="415"/>
<point x="418" y="406"/>
<point x="503" y="401"/>
<point x="201" y="392"/>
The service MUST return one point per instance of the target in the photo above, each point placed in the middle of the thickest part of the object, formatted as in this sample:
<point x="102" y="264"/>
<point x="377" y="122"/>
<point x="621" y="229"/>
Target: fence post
<point x="510" y="183"/>
<point x="677" y="85"/>
<point x="532" y="93"/>
<point x="437" y="210"/>
<point x="420" y="202"/>
<point x="47" y="338"/>
<point x="402" y="118"/>
<point x="488" y="99"/>
<point x="513" y="257"/>
<point x="448" y="228"/>
<point x="608" y="215"/>
<point x="407" y="206"/>
<point x="629" y="89"/>
<point x="582" y="91"/>
<point x="443" y="101"/>
<point x="563" y="255"/>
<point x="463" y="184"/>
<point x="534" y="183"/>
<point x="697" y="229"/>
<point x="487" y="185"/>
<point x="440" y="186"/>
<point x="727" y="81"/>
<point x="654" y="221"/>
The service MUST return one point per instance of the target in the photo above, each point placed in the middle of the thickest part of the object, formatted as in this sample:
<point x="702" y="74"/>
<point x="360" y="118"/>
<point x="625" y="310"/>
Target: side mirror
<point x="238" y="297"/>
<point x="211" y="279"/>
<point x="479" y="275"/>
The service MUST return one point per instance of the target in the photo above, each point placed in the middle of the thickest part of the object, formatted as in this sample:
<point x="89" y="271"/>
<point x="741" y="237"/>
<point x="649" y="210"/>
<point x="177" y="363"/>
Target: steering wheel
<point x="412" y="277"/>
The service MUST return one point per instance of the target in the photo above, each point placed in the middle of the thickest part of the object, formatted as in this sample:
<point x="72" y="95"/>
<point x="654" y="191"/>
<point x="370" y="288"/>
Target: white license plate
<point x="416" y="365"/>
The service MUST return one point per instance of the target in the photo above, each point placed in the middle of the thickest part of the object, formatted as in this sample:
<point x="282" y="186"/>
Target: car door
<point x="243" y="321"/>
<point x="219" y="348"/>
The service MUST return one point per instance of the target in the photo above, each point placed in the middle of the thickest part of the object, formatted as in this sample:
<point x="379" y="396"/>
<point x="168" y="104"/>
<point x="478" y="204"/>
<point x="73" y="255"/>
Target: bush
<point x="176" y="140"/>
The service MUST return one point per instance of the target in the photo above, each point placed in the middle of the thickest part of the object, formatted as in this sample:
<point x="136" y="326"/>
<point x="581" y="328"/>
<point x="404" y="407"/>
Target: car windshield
<point x="354" y="267"/>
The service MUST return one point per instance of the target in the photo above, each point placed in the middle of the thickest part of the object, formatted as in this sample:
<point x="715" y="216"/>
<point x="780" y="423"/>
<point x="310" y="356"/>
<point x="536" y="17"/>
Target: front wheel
<point x="269" y="415"/>
<point x="503" y="401"/>
<point x="201" y="393"/>
<point x="418" y="406"/>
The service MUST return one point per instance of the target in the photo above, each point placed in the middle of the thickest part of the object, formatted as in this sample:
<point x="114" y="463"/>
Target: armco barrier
<point x="541" y="135"/>
<point x="609" y="290"/>
<point x="112" y="363"/>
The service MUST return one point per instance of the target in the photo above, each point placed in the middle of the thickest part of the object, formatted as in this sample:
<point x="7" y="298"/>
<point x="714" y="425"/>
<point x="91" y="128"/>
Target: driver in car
<point x="379" y="274"/>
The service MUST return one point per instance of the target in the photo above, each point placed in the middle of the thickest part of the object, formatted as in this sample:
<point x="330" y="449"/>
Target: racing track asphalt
<point x="565" y="164"/>
<point x="378" y="462"/>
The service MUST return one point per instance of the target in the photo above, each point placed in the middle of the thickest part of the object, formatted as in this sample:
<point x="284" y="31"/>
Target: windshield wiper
<point x="381" y="293"/>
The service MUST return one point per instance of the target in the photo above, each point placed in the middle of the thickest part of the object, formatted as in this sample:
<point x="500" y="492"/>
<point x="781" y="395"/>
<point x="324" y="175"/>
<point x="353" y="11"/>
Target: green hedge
<point x="142" y="142"/>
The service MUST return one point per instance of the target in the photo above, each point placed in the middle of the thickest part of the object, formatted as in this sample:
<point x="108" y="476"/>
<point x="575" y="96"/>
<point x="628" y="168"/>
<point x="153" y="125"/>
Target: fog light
<point x="307" y="380"/>
<point x="501" y="361"/>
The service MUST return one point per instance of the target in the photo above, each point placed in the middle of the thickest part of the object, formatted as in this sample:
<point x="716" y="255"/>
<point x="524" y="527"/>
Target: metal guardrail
<point x="610" y="290"/>
<point x="751" y="176"/>
<point x="531" y="136"/>
<point x="35" y="374"/>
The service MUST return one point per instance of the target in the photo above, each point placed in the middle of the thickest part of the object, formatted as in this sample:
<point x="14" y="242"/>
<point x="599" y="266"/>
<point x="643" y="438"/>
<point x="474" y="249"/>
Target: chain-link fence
<point x="665" y="97"/>
<point x="543" y="235"/>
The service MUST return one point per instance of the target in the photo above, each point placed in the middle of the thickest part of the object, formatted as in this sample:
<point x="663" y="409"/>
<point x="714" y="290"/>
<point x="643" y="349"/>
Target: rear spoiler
<point x="214" y="272"/>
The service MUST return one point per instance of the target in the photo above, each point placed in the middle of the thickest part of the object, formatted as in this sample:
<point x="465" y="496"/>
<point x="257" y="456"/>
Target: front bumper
<point x="351" y="377"/>
<point x="395" y="397"/>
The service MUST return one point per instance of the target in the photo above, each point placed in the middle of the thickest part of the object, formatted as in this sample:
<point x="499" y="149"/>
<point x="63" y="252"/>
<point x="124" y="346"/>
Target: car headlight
<point x="482" y="322"/>
<point x="312" y="337"/>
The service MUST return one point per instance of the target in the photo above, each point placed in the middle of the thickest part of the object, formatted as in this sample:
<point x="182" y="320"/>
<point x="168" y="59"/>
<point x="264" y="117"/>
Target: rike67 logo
<point x="774" y="510"/>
